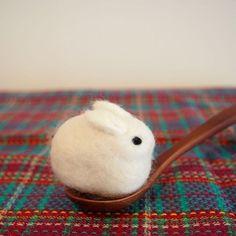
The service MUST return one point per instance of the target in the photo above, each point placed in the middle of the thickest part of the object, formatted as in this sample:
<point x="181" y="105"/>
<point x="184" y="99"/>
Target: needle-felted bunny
<point x="104" y="151"/>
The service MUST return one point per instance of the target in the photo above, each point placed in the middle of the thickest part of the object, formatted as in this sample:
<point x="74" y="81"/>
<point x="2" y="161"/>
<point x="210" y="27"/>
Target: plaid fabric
<point x="195" y="196"/>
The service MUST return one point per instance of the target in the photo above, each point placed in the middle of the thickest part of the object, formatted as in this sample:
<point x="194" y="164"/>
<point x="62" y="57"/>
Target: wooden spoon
<point x="215" y="124"/>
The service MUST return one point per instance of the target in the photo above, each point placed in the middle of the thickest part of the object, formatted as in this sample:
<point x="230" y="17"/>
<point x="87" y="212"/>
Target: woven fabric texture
<point x="196" y="195"/>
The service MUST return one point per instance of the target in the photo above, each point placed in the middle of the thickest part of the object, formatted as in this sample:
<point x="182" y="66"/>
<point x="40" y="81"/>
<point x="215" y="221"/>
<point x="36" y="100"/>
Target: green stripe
<point x="226" y="155"/>
<point x="46" y="197"/>
<point x="159" y="209"/>
<point x="182" y="197"/>
<point x="69" y="220"/>
<point x="162" y="121"/>
<point x="221" y="202"/>
<point x="2" y="199"/>
<point x="20" y="203"/>
<point x="134" y="224"/>
<point x="107" y="222"/>
<point x="9" y="188"/>
<point x="158" y="203"/>
<point x="179" y="185"/>
<point x="215" y="188"/>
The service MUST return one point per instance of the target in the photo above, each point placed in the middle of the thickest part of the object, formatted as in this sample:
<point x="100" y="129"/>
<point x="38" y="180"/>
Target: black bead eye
<point x="136" y="140"/>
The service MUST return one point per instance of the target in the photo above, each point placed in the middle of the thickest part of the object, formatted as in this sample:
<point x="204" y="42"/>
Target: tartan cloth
<point x="196" y="195"/>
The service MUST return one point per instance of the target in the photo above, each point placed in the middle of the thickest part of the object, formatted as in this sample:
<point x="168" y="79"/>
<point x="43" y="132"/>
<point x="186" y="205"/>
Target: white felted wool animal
<point x="104" y="151"/>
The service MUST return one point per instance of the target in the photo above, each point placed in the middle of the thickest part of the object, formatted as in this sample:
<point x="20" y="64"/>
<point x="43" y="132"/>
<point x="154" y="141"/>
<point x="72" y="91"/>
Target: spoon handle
<point x="214" y="125"/>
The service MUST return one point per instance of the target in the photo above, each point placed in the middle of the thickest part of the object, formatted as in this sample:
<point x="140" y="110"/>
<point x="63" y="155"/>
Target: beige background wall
<point x="51" y="44"/>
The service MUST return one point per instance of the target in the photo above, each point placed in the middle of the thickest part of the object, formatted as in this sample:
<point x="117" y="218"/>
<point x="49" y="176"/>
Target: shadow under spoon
<point x="214" y="125"/>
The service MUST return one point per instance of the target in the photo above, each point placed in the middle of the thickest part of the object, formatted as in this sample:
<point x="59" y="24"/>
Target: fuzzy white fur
<point x="94" y="153"/>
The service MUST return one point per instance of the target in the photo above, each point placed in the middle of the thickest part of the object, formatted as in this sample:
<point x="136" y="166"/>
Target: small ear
<point x="106" y="121"/>
<point x="112" y="107"/>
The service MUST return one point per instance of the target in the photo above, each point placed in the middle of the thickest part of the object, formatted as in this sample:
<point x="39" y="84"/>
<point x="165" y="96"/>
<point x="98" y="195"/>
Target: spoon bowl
<point x="214" y="125"/>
